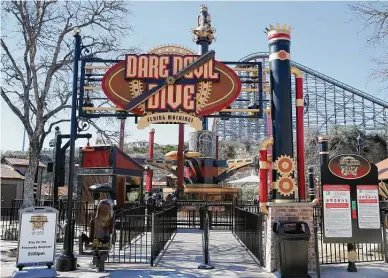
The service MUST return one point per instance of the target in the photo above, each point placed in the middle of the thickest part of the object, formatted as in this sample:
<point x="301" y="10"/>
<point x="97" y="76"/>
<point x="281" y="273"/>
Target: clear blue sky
<point x="325" y="37"/>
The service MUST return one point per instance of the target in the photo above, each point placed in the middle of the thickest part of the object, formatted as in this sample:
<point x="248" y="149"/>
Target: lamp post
<point x="67" y="261"/>
<point x="352" y="253"/>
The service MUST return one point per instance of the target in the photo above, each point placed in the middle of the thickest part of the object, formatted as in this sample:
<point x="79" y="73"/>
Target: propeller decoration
<point x="171" y="79"/>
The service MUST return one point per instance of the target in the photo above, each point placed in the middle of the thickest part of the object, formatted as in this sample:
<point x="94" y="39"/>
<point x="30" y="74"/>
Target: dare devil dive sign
<point x="350" y="198"/>
<point x="205" y="90"/>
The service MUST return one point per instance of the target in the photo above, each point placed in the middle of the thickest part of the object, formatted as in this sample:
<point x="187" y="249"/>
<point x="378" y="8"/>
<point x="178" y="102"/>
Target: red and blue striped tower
<point x="281" y="113"/>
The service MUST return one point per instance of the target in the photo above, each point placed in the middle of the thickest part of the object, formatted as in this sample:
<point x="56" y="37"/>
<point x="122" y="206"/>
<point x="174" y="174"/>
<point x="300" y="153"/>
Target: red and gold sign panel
<point x="349" y="166"/>
<point x="204" y="91"/>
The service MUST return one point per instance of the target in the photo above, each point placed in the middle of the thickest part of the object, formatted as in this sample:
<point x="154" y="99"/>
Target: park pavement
<point x="184" y="254"/>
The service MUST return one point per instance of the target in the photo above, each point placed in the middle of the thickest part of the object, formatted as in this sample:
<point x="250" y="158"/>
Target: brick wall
<point x="290" y="211"/>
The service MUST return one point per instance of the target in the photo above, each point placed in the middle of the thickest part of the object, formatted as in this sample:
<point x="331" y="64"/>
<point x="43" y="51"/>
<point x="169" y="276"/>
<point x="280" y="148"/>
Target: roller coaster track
<point x="331" y="102"/>
<point x="323" y="77"/>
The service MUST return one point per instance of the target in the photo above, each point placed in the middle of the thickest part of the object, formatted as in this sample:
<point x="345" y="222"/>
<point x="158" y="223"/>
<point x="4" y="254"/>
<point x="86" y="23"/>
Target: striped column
<point x="263" y="172"/>
<point x="281" y="114"/>
<point x="323" y="149"/>
<point x="149" y="172"/>
<point x="300" y="134"/>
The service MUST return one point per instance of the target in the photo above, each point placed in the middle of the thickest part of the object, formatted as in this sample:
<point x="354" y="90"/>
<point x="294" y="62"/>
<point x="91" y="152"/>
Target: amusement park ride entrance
<point x="171" y="84"/>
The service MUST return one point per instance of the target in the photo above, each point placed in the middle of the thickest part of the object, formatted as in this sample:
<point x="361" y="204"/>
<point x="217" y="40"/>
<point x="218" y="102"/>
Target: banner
<point x="170" y="118"/>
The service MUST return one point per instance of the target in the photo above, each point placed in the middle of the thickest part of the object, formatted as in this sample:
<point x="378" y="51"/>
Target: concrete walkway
<point x="183" y="256"/>
<point x="365" y="270"/>
<point x="227" y="256"/>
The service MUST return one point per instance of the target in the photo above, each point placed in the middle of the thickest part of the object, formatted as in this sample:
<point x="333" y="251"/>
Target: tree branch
<point x="18" y="113"/>
<point x="10" y="57"/>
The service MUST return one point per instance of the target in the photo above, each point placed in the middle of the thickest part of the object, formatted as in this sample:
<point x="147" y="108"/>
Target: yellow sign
<point x="170" y="118"/>
<point x="38" y="222"/>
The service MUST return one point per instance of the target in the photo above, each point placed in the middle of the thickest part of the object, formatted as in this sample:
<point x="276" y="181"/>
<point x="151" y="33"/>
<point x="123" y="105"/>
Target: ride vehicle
<point x="101" y="236"/>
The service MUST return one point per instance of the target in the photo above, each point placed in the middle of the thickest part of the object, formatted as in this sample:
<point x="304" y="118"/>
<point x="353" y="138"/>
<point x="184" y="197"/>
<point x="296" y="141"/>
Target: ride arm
<point x="230" y="172"/>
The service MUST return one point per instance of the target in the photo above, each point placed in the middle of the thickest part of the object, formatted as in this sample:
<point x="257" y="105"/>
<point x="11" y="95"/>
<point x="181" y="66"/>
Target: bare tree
<point x="37" y="55"/>
<point x="374" y="17"/>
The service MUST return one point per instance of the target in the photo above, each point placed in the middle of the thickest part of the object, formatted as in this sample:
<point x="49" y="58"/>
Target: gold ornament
<point x="286" y="186"/>
<point x="203" y="88"/>
<point x="285" y="165"/>
<point x="352" y="256"/>
<point x="172" y="49"/>
<point x="136" y="87"/>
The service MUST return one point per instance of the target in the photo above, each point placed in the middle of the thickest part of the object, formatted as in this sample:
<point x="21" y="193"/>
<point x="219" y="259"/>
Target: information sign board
<point x="37" y="236"/>
<point x="368" y="207"/>
<point x="337" y="215"/>
<point x="350" y="200"/>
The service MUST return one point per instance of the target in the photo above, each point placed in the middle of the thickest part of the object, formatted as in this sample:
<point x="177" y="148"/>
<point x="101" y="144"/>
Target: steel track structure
<point x="328" y="102"/>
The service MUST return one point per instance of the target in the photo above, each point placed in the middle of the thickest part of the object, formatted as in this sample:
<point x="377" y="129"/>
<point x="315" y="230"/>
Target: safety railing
<point x="164" y="226"/>
<point x="220" y="214"/>
<point x="82" y="213"/>
<point x="132" y="237"/>
<point x="336" y="253"/>
<point x="249" y="228"/>
<point x="9" y="223"/>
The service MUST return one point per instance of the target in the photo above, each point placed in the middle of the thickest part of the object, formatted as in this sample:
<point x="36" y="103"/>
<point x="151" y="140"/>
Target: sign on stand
<point x="368" y="207"/>
<point x="350" y="197"/>
<point x="337" y="216"/>
<point x="37" y="237"/>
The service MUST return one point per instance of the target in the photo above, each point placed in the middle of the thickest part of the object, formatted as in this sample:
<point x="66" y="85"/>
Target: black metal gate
<point x="220" y="214"/>
<point x="250" y="229"/>
<point x="335" y="253"/>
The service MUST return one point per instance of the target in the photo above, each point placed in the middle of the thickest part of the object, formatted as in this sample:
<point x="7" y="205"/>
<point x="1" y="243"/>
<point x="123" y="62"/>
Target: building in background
<point x="20" y="165"/>
<point x="11" y="185"/>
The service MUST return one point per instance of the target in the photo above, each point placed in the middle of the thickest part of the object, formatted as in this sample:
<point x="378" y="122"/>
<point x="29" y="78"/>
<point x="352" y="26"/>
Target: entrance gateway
<point x="174" y="85"/>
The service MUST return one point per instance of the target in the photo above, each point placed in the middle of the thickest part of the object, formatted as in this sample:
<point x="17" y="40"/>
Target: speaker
<point x="50" y="167"/>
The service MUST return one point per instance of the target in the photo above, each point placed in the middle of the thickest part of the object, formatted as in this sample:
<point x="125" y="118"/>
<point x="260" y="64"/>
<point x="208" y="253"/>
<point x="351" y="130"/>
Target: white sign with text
<point x="336" y="207"/>
<point x="368" y="207"/>
<point x="37" y="236"/>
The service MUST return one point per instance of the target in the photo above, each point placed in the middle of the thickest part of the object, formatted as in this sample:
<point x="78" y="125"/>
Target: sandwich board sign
<point x="37" y="237"/>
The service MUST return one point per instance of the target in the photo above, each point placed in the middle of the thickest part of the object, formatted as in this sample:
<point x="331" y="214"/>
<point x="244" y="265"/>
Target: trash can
<point x="292" y="244"/>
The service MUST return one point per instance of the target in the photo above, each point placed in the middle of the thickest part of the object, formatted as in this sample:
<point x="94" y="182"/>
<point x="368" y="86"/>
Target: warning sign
<point x="368" y="207"/>
<point x="336" y="207"/>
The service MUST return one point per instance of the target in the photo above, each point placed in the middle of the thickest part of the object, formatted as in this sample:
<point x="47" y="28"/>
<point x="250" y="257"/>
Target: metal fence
<point x="9" y="223"/>
<point x="220" y="214"/>
<point x="133" y="238"/>
<point x="164" y="226"/>
<point x="335" y="253"/>
<point x="82" y="214"/>
<point x="249" y="228"/>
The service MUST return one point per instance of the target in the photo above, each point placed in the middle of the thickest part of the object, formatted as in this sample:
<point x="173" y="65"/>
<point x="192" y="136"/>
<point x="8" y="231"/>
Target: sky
<point x="325" y="37"/>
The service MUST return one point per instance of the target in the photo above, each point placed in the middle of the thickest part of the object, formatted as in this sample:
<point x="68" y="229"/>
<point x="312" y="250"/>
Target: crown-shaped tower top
<point x="278" y="29"/>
